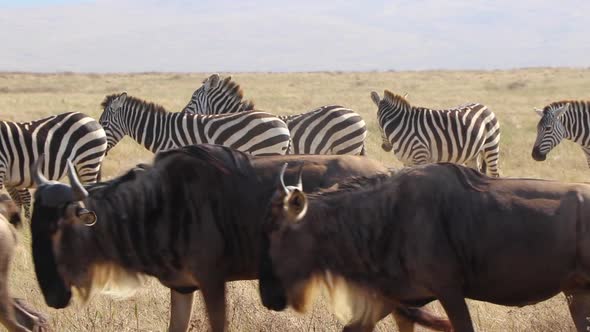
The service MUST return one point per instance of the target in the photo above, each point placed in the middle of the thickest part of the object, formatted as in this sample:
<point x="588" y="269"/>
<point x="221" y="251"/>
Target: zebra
<point x="419" y="135"/>
<point x="74" y="136"/>
<point x="149" y="124"/>
<point x="330" y="129"/>
<point x="569" y="119"/>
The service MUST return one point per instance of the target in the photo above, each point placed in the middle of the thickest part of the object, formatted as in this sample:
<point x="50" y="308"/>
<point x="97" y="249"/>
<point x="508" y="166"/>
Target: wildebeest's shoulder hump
<point x="446" y="175"/>
<point x="226" y="160"/>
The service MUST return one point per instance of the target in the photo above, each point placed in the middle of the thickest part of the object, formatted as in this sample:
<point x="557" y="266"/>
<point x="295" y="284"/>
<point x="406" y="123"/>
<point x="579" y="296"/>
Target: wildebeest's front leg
<point x="359" y="327"/>
<point x="181" y="306"/>
<point x="454" y="304"/>
<point x="579" y="306"/>
<point x="213" y="290"/>
<point x="407" y="317"/>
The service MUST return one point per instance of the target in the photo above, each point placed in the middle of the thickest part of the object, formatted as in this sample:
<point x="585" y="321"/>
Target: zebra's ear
<point x="561" y="110"/>
<point x="212" y="82"/>
<point x="119" y="101"/>
<point x="375" y="97"/>
<point x="539" y="112"/>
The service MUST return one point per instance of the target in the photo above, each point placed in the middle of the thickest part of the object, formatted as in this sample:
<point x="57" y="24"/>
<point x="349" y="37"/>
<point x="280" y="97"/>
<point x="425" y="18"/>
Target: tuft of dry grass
<point x="510" y="94"/>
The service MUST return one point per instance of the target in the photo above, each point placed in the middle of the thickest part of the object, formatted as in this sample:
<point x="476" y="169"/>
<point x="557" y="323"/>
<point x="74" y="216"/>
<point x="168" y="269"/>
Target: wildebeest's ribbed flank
<point x="405" y="238"/>
<point x="255" y="132"/>
<point x="197" y="230"/>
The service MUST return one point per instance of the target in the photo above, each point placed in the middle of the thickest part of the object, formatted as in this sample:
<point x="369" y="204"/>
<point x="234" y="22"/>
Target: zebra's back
<point x="254" y="132"/>
<point x="330" y="129"/>
<point x="72" y="135"/>
<point x="454" y="135"/>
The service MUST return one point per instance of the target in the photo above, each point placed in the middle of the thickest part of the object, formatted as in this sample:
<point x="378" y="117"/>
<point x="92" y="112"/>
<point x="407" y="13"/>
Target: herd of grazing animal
<point x="234" y="193"/>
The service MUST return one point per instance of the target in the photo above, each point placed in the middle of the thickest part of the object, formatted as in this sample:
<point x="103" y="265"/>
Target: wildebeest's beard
<point x="55" y="291"/>
<point x="294" y="272"/>
<point x="271" y="289"/>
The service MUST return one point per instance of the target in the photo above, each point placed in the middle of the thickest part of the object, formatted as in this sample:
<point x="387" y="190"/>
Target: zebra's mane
<point x="557" y="104"/>
<point x="395" y="99"/>
<point x="231" y="88"/>
<point x="134" y="101"/>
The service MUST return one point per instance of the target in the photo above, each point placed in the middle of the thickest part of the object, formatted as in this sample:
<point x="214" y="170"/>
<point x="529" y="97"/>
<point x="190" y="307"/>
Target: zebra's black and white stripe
<point x="420" y="135"/>
<point x="566" y="119"/>
<point x="330" y="129"/>
<point x="254" y="132"/>
<point x="73" y="136"/>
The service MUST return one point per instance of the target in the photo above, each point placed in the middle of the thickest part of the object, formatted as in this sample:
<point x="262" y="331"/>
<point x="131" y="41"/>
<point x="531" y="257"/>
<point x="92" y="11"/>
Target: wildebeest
<point x="15" y="315"/>
<point x="439" y="231"/>
<point x="193" y="220"/>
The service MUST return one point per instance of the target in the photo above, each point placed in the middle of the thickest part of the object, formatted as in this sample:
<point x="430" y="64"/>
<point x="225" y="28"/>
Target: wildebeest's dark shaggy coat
<point x="193" y="220"/>
<point x="439" y="231"/>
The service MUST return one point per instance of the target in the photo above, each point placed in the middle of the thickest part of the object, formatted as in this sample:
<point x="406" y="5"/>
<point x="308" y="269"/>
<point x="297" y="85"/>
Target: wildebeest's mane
<point x="354" y="183"/>
<point x="469" y="177"/>
<point x="226" y="160"/>
<point x="104" y="187"/>
<point x="135" y="102"/>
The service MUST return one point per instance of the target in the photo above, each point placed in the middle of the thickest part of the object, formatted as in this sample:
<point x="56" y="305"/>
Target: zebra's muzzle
<point x="386" y="147"/>
<point x="538" y="156"/>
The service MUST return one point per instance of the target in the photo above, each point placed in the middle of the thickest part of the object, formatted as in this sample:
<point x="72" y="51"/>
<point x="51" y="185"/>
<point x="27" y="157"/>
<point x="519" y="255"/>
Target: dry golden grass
<point x="511" y="94"/>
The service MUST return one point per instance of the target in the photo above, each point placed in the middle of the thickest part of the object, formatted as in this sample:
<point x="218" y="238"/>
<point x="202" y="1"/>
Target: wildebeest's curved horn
<point x="300" y="177"/>
<point x="78" y="190"/>
<point x="281" y="175"/>
<point x="36" y="174"/>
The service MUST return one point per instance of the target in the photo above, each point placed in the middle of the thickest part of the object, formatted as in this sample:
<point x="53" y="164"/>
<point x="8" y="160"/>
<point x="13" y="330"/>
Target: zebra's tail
<point x="375" y="97"/>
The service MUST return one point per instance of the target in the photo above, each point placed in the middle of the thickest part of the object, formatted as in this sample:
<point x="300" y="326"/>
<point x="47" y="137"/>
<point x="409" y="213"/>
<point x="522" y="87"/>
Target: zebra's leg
<point x="15" y="195"/>
<point x="587" y="153"/>
<point x="25" y="198"/>
<point x="490" y="160"/>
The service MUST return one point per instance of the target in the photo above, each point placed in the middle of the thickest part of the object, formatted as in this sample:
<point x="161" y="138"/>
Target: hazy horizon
<point x="178" y="36"/>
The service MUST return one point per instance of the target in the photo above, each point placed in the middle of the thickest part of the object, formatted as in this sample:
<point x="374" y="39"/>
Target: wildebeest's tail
<point x="424" y="318"/>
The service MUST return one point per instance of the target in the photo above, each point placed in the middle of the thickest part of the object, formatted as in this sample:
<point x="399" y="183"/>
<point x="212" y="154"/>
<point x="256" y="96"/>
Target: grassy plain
<point x="510" y="94"/>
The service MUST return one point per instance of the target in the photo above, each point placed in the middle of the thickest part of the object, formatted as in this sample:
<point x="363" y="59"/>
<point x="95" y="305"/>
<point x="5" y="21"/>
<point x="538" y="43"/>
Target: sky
<point x="289" y="36"/>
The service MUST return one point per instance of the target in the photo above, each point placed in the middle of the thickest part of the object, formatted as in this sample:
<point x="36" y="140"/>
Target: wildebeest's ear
<point x="77" y="214"/>
<point x="296" y="205"/>
<point x="86" y="216"/>
<point x="539" y="112"/>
